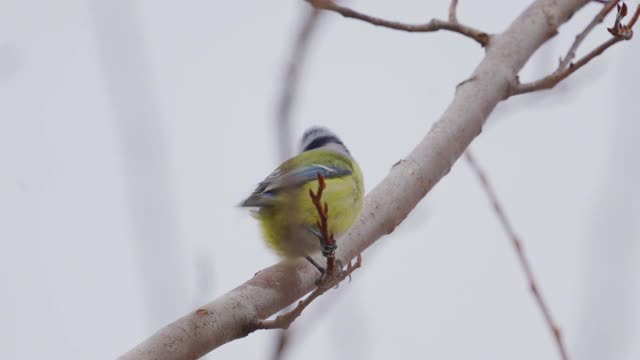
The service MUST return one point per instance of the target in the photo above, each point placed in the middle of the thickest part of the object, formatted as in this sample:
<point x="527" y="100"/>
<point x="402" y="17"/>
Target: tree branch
<point x="434" y="25"/>
<point x="452" y="11"/>
<point x="620" y="33"/>
<point x="285" y="320"/>
<point x="550" y="81"/>
<point x="522" y="257"/>
<point x="564" y="62"/>
<point x="237" y="313"/>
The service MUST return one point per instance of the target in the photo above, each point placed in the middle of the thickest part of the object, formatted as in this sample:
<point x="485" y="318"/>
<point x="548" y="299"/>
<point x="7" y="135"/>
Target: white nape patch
<point x="313" y="133"/>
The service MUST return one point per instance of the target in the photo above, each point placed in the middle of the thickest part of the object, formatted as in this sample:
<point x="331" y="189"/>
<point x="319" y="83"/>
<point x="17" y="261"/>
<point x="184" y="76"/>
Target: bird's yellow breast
<point x="284" y="225"/>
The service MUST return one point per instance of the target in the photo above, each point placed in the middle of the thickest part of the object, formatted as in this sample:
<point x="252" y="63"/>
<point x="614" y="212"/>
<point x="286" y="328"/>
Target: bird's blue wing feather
<point x="279" y="179"/>
<point x="308" y="173"/>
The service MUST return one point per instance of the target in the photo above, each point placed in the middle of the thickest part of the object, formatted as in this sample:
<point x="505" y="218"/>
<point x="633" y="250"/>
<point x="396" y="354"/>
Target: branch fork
<point x="518" y="246"/>
<point x="433" y="25"/>
<point x="619" y="29"/>
<point x="566" y="67"/>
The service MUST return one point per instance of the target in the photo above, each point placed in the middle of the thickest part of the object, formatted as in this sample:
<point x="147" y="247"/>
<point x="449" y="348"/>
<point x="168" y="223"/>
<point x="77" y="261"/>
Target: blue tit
<point x="282" y="203"/>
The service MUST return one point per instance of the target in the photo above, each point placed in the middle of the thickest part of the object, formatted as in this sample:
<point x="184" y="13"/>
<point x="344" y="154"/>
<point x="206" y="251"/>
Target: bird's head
<point x="318" y="137"/>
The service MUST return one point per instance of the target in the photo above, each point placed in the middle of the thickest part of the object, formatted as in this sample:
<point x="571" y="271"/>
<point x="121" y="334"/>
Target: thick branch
<point x="434" y="25"/>
<point x="522" y="257"/>
<point x="236" y="314"/>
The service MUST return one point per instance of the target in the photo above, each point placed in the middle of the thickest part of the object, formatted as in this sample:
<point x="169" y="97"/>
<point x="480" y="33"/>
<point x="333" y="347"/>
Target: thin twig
<point x="327" y="242"/>
<point x="291" y="81"/>
<point x="552" y="80"/>
<point x="332" y="277"/>
<point x="434" y="25"/>
<point x="452" y="12"/>
<point x="620" y="33"/>
<point x="571" y="53"/>
<point x="620" y="29"/>
<point x="517" y="244"/>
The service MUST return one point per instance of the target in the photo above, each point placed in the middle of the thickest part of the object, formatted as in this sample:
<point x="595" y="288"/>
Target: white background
<point x="129" y="130"/>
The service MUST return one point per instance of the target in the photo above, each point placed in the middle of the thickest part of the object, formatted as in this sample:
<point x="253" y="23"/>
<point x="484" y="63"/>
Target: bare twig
<point x="552" y="80"/>
<point x="621" y="30"/>
<point x="522" y="257"/>
<point x="291" y="81"/>
<point x="452" y="12"/>
<point x="620" y="33"/>
<point x="434" y="25"/>
<point x="328" y="242"/>
<point x="331" y="278"/>
<point x="564" y="62"/>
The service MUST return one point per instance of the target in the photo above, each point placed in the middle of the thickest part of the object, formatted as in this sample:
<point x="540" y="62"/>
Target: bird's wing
<point x="284" y="177"/>
<point x="280" y="179"/>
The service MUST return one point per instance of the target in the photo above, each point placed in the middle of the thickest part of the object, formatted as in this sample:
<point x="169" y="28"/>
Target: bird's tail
<point x="257" y="200"/>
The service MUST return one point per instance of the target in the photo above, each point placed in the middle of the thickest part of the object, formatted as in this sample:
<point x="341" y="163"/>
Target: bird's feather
<point x="294" y="173"/>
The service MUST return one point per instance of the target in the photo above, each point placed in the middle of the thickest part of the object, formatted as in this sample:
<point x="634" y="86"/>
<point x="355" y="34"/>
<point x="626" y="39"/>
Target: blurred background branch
<point x="609" y="291"/>
<point x="519" y="247"/>
<point x="148" y="167"/>
<point x="291" y="81"/>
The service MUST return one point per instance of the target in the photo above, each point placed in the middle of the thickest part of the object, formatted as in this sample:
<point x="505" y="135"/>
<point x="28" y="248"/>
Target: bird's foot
<point x="318" y="267"/>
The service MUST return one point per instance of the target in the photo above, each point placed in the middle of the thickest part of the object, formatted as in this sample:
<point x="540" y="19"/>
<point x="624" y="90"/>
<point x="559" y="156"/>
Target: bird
<point x="282" y="205"/>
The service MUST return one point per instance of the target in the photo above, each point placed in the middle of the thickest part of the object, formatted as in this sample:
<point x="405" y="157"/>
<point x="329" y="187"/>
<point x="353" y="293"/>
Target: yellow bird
<point x="282" y="203"/>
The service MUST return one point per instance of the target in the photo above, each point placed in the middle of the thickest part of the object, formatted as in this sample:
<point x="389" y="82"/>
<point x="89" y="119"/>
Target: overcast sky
<point x="130" y="130"/>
